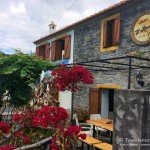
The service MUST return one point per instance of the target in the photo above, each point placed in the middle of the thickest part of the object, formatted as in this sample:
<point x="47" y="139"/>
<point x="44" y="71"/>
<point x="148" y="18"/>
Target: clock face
<point x="141" y="30"/>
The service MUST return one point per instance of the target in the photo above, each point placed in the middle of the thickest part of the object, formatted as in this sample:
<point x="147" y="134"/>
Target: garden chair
<point x="86" y="128"/>
<point x="96" y="117"/>
<point x="110" y="116"/>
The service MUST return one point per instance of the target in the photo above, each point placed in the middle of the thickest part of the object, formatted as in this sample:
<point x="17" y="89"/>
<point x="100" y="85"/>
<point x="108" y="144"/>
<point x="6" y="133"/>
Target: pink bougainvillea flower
<point x="16" y="117"/>
<point x="7" y="147"/>
<point x="49" y="116"/>
<point x="26" y="139"/>
<point x="56" y="119"/>
<point x="19" y="133"/>
<point x="72" y="130"/>
<point x="4" y="127"/>
<point x="53" y="144"/>
<point x="82" y="136"/>
<point x="68" y="78"/>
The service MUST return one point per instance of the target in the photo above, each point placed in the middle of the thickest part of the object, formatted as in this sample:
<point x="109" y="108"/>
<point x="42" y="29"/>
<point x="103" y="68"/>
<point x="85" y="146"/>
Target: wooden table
<point x="102" y="123"/>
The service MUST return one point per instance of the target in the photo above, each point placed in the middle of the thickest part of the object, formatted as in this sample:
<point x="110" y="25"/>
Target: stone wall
<point x="87" y="35"/>
<point x="87" y="47"/>
<point x="131" y="120"/>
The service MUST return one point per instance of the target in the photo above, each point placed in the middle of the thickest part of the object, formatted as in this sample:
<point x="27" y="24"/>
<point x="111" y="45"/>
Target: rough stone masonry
<point x="87" y="44"/>
<point x="131" y="120"/>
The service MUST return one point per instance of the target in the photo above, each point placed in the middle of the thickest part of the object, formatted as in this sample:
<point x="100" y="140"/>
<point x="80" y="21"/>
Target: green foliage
<point x="18" y="74"/>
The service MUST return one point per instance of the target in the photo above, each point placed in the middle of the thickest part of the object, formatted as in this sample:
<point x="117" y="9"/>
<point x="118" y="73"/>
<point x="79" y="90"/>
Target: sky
<point x="24" y="21"/>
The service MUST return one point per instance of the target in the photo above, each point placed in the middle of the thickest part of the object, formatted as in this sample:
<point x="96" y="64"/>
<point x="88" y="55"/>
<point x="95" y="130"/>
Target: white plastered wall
<point x="66" y="96"/>
<point x="105" y="103"/>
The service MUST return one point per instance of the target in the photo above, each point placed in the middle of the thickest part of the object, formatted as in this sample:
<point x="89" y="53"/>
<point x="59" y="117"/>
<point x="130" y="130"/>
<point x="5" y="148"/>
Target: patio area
<point x="103" y="133"/>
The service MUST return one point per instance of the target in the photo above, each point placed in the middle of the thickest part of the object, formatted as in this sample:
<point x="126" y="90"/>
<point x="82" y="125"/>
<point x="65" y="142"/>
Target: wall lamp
<point x="139" y="79"/>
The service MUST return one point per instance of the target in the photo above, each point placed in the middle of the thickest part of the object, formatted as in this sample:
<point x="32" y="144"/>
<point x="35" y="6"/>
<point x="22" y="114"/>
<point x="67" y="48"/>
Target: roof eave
<point x="115" y="6"/>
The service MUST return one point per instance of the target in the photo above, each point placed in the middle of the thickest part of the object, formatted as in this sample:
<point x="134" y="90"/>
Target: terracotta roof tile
<point x="84" y="19"/>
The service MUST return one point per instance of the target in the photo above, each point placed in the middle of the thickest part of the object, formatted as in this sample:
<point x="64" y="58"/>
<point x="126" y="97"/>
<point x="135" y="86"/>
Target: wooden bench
<point x="90" y="141"/>
<point x="103" y="146"/>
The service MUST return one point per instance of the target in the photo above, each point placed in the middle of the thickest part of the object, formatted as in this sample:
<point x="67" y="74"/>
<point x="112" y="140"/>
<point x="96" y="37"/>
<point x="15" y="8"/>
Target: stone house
<point x="120" y="30"/>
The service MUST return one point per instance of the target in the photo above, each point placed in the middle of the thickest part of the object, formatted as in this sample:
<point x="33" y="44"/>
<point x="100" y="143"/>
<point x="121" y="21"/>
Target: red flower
<point x="82" y="136"/>
<point x="26" y="139"/>
<point x="16" y="117"/>
<point x="19" y="133"/>
<point x="4" y="127"/>
<point x="35" y="121"/>
<point x="53" y="144"/>
<point x="49" y="116"/>
<point x="54" y="147"/>
<point x="7" y="147"/>
<point x="68" y="78"/>
<point x="72" y="130"/>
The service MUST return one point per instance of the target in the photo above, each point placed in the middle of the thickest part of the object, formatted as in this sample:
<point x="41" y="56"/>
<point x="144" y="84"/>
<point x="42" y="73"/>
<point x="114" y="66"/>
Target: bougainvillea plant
<point x="69" y="78"/>
<point x="34" y="124"/>
<point x="54" y="119"/>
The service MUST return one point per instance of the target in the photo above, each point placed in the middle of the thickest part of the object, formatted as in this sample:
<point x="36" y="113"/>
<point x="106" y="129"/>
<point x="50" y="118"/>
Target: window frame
<point x="55" y="44"/>
<point x="42" y="50"/>
<point x="111" y="48"/>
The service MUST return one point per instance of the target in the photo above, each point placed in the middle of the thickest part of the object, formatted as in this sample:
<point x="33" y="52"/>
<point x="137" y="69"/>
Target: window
<point x="43" y="51"/>
<point x="60" y="49"/>
<point x="110" y="32"/>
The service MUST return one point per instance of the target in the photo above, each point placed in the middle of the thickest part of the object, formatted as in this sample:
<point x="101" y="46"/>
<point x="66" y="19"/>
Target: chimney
<point x="52" y="27"/>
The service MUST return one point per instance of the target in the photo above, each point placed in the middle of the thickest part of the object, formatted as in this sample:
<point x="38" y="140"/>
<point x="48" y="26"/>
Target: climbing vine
<point x="18" y="74"/>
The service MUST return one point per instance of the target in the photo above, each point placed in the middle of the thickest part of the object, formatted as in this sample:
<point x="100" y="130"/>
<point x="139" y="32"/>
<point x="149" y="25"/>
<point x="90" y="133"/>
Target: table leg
<point x="82" y="145"/>
<point x="111" y="137"/>
<point x="88" y="147"/>
<point x="93" y="130"/>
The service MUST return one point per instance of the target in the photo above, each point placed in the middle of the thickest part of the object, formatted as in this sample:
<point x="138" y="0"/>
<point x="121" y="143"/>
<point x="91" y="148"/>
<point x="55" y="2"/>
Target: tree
<point x="18" y="74"/>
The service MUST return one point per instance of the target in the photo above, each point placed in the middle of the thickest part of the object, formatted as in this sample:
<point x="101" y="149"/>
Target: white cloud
<point x="24" y="21"/>
<point x="18" y="8"/>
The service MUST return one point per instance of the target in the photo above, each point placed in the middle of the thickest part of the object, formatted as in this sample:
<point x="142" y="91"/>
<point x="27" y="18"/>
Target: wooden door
<point x="94" y="101"/>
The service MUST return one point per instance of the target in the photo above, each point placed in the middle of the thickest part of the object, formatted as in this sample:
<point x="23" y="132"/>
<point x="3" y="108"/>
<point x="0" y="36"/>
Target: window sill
<point x="109" y="49"/>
